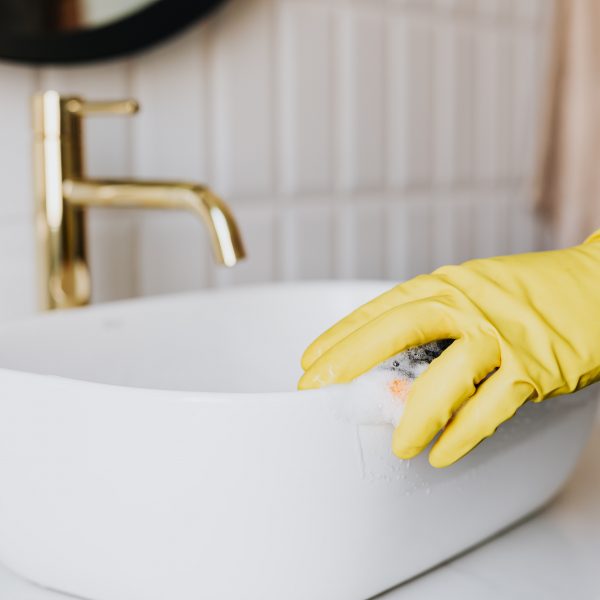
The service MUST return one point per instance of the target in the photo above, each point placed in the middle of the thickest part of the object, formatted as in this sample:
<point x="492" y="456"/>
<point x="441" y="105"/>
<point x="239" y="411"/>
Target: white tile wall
<point x="241" y="99"/>
<point x="305" y="236"/>
<point x="408" y="236"/>
<point x="409" y="99"/>
<point x="358" y="116"/>
<point x="452" y="110"/>
<point x="359" y="247"/>
<point x="16" y="87"/>
<point x="305" y="98"/>
<point x="352" y="139"/>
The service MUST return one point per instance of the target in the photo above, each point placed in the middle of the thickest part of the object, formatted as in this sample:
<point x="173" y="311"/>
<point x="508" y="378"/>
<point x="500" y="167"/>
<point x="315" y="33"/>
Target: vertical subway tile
<point x="532" y="11"/>
<point x="493" y="9"/>
<point x="492" y="100"/>
<point x="397" y="229"/>
<point x="445" y="104"/>
<point x="491" y="235"/>
<point x="359" y="99"/>
<point x="173" y="253"/>
<point x="408" y="238"/>
<point x="16" y="169"/>
<point x="169" y="132"/>
<point x="522" y="222"/>
<point x="241" y="98"/>
<point x="409" y="100"/>
<point x="419" y="4"/>
<point x="451" y="231"/>
<point x="546" y="238"/>
<point x="359" y="240"/>
<point x="504" y="104"/>
<point x="305" y="242"/>
<point x="456" y="6"/>
<point x="257" y="224"/>
<point x="525" y="106"/>
<point x="486" y="78"/>
<point x="397" y="104"/>
<point x="465" y="122"/>
<point x="110" y="254"/>
<point x="19" y="296"/>
<point x="453" y="103"/>
<point x="305" y="97"/>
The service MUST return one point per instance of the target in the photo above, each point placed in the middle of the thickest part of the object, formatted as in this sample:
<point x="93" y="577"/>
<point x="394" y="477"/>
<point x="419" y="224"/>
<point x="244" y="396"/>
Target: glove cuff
<point x="594" y="237"/>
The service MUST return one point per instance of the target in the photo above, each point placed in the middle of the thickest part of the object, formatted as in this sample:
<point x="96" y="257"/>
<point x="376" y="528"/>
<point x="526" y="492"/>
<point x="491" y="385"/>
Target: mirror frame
<point x="138" y="30"/>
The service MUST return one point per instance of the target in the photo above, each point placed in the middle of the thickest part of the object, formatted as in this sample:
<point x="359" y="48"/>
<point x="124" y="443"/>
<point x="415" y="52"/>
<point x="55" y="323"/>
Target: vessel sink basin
<point x="158" y="448"/>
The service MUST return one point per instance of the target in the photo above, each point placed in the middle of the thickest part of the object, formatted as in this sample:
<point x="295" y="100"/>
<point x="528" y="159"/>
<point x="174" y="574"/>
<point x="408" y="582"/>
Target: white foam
<point x="377" y="397"/>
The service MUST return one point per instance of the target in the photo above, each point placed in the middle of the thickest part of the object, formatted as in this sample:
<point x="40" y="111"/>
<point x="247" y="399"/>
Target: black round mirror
<point x="67" y="31"/>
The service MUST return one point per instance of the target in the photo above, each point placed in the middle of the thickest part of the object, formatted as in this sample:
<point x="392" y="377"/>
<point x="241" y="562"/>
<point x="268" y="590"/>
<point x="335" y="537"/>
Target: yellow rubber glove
<point x="533" y="317"/>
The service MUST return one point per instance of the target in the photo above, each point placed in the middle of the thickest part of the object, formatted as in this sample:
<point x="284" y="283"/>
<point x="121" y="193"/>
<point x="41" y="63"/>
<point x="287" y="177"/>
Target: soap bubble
<point x="379" y="395"/>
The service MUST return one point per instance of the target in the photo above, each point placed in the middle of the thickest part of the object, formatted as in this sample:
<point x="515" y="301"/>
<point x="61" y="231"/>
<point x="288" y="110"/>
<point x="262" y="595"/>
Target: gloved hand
<point x="531" y="320"/>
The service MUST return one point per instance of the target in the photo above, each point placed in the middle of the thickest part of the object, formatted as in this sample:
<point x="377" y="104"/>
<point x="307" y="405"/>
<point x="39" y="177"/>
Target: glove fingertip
<point x="402" y="446"/>
<point x="405" y="452"/>
<point x="441" y="458"/>
<point x="307" y="382"/>
<point x="309" y="356"/>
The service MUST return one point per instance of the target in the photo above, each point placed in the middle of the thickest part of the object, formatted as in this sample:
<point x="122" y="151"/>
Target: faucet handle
<point x="84" y="108"/>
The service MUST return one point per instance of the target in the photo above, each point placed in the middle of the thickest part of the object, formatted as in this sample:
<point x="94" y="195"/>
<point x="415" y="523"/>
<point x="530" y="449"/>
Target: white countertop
<point x="552" y="555"/>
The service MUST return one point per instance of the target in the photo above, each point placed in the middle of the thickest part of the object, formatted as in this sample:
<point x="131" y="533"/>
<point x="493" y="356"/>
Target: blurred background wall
<point x="353" y="138"/>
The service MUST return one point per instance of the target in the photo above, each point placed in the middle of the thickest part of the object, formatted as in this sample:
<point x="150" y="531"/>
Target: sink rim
<point x="130" y="304"/>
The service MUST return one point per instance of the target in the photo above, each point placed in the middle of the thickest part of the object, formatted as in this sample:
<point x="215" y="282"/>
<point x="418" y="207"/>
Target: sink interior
<point x="237" y="340"/>
<point x="165" y="491"/>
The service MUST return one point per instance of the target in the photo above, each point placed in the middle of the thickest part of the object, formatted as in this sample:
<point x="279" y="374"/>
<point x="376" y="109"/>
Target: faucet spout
<point x="225" y="236"/>
<point x="64" y="193"/>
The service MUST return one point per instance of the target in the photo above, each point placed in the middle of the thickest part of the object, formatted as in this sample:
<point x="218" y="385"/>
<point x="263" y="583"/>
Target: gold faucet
<point x="63" y="194"/>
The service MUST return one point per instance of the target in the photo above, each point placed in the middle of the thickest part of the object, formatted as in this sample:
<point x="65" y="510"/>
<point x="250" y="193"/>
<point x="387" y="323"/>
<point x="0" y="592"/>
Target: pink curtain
<point x="569" y="183"/>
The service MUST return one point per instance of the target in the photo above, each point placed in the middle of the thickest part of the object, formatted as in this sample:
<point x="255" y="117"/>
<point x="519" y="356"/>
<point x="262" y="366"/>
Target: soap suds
<point x="380" y="394"/>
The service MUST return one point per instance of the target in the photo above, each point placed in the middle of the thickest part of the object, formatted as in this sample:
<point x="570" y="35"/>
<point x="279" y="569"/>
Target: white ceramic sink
<point x="158" y="449"/>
